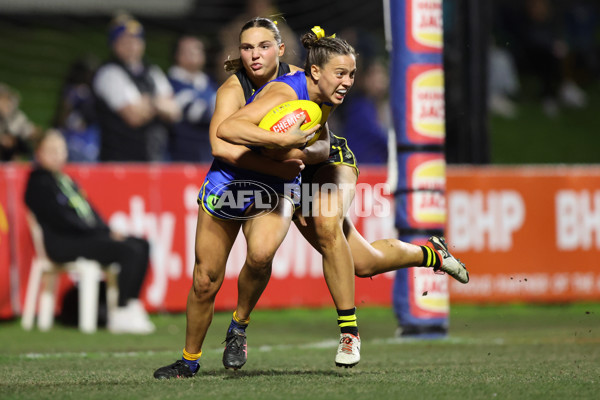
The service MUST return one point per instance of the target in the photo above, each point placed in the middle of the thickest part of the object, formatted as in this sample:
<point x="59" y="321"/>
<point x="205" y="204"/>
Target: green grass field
<point x="493" y="352"/>
<point x="533" y="138"/>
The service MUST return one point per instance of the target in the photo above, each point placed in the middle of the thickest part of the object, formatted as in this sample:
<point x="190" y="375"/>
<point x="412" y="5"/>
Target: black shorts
<point x="339" y="154"/>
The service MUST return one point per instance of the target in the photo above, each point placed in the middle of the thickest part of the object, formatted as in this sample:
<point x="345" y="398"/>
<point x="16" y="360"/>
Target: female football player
<point x="334" y="236"/>
<point x="218" y="222"/>
<point x="330" y="236"/>
<point x="328" y="76"/>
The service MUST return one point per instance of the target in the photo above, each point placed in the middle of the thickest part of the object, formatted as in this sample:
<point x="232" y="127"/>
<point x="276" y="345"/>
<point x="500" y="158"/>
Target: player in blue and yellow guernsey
<point x="327" y="78"/>
<point x="222" y="174"/>
<point x="223" y="212"/>
<point x="335" y="236"/>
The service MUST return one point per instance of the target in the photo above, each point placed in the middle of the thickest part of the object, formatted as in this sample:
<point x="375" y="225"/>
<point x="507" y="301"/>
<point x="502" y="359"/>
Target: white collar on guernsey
<point x="198" y="79"/>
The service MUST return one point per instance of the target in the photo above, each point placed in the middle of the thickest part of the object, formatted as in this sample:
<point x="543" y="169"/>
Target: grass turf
<point x="525" y="352"/>
<point x="533" y="138"/>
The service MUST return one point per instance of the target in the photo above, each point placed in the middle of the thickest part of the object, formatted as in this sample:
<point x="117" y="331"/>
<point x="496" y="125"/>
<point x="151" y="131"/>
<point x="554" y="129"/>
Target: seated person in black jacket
<point x="72" y="228"/>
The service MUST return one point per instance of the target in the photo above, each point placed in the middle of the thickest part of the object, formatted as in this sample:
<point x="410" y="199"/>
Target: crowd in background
<point x="553" y="42"/>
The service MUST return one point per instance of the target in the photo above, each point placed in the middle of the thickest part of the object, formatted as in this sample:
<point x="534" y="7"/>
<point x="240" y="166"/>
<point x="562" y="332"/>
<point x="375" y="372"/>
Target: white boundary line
<point x="326" y="344"/>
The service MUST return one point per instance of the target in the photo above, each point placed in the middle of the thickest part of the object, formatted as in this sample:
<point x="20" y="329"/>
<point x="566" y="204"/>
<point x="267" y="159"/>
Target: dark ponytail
<point x="320" y="48"/>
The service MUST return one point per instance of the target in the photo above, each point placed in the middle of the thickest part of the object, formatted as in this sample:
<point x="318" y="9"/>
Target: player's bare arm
<point x="314" y="154"/>
<point x="230" y="98"/>
<point x="242" y="127"/>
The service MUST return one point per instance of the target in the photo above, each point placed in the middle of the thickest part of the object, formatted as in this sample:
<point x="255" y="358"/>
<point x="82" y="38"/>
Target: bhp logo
<point x="577" y="219"/>
<point x="479" y="221"/>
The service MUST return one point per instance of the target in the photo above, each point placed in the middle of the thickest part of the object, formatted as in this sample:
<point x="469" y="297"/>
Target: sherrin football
<point x="285" y="115"/>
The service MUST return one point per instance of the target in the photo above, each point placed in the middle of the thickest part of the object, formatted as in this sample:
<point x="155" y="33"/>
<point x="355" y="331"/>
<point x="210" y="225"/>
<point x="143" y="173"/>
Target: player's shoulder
<point x="292" y="76"/>
<point x="294" y="68"/>
<point x="231" y="86"/>
<point x="231" y="90"/>
<point x="277" y="89"/>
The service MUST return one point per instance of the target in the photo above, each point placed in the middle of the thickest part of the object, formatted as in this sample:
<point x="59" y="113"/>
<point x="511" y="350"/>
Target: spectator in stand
<point x="76" y="113"/>
<point x="503" y="82"/>
<point x="582" y="23"/>
<point x="365" y="118"/>
<point x="16" y="130"/>
<point x="135" y="100"/>
<point x="73" y="228"/>
<point x="195" y="93"/>
<point x="547" y="50"/>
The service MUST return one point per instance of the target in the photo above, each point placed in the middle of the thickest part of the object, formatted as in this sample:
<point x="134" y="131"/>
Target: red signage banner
<point x="6" y="310"/>
<point x="159" y="202"/>
<point x="526" y="233"/>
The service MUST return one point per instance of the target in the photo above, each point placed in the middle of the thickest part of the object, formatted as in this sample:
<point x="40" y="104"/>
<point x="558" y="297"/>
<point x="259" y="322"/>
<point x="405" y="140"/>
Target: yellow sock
<point x="347" y="321"/>
<point x="191" y="356"/>
<point x="239" y="320"/>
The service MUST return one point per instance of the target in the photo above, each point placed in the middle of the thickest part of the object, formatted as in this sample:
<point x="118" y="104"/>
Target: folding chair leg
<point x="89" y="283"/>
<point x="112" y="289"/>
<point x="31" y="295"/>
<point x="47" y="301"/>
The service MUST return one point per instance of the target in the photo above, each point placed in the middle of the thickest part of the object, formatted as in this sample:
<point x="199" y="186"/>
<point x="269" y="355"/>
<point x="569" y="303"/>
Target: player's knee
<point x="363" y="270"/>
<point x="204" y="284"/>
<point x="259" y="260"/>
<point x="329" y="232"/>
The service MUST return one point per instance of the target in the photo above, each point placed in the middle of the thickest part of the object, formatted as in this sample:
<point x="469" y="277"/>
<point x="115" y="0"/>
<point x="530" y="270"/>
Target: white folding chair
<point x="43" y="281"/>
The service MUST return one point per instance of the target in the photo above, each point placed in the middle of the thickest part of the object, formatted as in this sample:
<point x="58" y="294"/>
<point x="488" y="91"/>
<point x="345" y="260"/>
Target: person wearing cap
<point x="135" y="101"/>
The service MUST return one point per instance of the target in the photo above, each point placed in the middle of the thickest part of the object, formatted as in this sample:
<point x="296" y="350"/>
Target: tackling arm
<point x="242" y="127"/>
<point x="230" y="98"/>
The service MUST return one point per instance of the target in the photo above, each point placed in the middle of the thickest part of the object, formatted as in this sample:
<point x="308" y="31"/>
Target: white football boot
<point x="450" y="265"/>
<point x="348" y="352"/>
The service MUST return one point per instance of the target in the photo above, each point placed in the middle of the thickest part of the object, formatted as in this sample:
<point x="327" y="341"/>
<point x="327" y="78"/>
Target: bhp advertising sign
<point x="526" y="233"/>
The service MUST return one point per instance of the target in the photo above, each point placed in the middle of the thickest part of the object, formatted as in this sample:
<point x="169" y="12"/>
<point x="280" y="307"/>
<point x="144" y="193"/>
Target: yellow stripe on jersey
<point x="325" y="111"/>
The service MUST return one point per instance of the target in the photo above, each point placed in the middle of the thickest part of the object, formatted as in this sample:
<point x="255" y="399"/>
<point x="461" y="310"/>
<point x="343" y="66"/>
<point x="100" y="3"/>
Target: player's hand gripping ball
<point x="285" y="115"/>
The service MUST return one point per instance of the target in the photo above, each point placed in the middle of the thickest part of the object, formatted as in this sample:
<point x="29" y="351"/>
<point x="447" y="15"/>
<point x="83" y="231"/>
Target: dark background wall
<point x="37" y="46"/>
